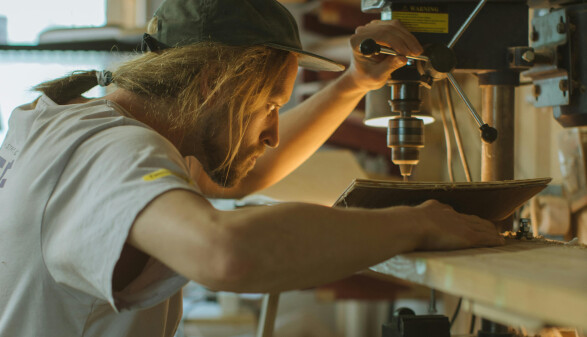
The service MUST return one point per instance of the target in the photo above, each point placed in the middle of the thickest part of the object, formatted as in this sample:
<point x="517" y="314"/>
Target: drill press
<point x="462" y="44"/>
<point x="494" y="46"/>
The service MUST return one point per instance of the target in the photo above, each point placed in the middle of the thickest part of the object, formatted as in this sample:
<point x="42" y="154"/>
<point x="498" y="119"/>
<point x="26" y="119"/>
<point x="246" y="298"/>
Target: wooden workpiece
<point x="523" y="282"/>
<point x="492" y="200"/>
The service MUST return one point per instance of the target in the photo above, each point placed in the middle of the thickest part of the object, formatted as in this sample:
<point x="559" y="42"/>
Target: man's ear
<point x="204" y="83"/>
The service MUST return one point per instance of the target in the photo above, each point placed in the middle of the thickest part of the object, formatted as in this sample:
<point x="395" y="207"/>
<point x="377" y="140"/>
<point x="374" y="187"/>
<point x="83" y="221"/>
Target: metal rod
<point x="388" y="51"/>
<point x="466" y="24"/>
<point x="447" y="139"/>
<point x="456" y="313"/>
<point x="472" y="326"/>
<point x="268" y="313"/>
<point x="432" y="305"/>
<point x="457" y="132"/>
<point x="461" y="93"/>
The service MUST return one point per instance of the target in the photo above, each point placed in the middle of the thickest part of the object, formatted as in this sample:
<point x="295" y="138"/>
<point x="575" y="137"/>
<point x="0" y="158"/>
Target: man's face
<point x="261" y="131"/>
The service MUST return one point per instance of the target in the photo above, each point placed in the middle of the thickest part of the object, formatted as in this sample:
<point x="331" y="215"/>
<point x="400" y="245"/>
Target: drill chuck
<point x="405" y="137"/>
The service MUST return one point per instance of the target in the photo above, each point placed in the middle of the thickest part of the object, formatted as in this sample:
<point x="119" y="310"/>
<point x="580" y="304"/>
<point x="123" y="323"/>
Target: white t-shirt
<point x="73" y="178"/>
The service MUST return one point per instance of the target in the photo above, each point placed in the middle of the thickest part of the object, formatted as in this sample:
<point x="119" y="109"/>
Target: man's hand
<point x="370" y="73"/>
<point x="443" y="228"/>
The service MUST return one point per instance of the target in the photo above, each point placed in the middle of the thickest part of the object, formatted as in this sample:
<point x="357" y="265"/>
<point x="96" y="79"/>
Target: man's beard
<point x="213" y="157"/>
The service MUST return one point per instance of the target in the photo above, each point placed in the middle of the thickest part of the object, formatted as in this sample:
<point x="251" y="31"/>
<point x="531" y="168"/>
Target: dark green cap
<point x="235" y="23"/>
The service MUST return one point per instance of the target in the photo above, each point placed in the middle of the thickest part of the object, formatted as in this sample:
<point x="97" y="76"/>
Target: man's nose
<point x="270" y="136"/>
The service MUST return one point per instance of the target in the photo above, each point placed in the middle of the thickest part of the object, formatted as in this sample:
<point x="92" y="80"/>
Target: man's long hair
<point x="191" y="82"/>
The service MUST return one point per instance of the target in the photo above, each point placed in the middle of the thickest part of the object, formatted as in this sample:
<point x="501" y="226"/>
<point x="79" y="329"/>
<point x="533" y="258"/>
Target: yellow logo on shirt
<point x="164" y="173"/>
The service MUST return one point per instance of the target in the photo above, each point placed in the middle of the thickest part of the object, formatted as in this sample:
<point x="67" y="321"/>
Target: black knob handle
<point x="488" y="133"/>
<point x="369" y="47"/>
<point x="404" y="312"/>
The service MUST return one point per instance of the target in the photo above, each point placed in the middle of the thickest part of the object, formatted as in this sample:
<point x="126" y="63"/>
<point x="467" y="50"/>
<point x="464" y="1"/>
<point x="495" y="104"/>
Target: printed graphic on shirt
<point x="4" y="167"/>
<point x="164" y="173"/>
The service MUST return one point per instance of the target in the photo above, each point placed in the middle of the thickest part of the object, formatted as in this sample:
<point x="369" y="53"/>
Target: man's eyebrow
<point x="278" y="90"/>
<point x="281" y="100"/>
<point x="279" y="97"/>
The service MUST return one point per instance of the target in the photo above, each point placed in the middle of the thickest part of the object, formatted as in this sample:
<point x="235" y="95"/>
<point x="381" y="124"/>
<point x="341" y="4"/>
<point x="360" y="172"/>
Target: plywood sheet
<point x="489" y="200"/>
<point x="538" y="279"/>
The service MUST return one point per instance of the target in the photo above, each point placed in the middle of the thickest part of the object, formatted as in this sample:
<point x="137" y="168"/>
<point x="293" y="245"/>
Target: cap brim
<point x="309" y="60"/>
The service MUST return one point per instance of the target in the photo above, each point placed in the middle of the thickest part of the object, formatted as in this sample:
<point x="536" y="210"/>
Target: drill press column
<point x="497" y="161"/>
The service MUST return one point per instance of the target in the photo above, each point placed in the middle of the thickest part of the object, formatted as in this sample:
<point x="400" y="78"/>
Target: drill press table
<point x="528" y="283"/>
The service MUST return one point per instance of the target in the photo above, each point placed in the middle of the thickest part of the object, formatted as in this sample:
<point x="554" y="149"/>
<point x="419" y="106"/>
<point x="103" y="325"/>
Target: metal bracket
<point x="373" y="6"/>
<point x="551" y="91"/>
<point x="551" y="84"/>
<point x="549" y="30"/>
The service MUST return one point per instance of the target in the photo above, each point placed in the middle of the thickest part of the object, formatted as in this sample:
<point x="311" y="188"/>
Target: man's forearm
<point x="312" y="122"/>
<point x="293" y="246"/>
<point x="289" y="246"/>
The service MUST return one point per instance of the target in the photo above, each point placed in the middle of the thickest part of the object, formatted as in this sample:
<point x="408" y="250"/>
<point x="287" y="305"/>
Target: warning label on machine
<point x="422" y="19"/>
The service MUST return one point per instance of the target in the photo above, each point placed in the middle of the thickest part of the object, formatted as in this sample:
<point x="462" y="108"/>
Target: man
<point x="104" y="219"/>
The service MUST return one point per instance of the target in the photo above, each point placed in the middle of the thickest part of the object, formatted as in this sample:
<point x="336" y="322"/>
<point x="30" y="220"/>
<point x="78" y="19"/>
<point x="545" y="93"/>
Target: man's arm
<point x="292" y="246"/>
<point x="306" y="127"/>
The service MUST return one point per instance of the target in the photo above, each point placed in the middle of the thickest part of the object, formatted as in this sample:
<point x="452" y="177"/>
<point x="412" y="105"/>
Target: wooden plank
<point x="539" y="279"/>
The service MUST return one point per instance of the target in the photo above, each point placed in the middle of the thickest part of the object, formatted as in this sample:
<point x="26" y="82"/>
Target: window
<point x="26" y="19"/>
<point x="20" y="70"/>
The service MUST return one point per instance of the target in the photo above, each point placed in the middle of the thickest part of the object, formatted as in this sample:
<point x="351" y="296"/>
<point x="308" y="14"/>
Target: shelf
<point x="535" y="282"/>
<point x="99" y="45"/>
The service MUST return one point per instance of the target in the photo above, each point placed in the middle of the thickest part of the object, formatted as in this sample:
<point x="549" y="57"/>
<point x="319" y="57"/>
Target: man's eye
<point x="272" y="107"/>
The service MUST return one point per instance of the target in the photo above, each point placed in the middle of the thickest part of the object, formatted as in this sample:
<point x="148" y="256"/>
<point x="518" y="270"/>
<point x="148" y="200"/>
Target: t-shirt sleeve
<point x="108" y="181"/>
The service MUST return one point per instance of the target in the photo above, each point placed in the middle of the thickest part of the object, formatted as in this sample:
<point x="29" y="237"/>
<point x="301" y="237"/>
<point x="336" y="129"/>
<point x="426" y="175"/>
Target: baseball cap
<point x="235" y="23"/>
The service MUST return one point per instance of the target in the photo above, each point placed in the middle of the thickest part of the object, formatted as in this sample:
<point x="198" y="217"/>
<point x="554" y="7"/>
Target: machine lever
<point x="369" y="47"/>
<point x="466" y="24"/>
<point x="488" y="133"/>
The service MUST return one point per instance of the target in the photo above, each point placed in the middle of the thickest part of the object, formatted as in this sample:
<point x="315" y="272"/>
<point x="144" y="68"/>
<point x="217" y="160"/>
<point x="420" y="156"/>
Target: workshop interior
<point x="491" y="118"/>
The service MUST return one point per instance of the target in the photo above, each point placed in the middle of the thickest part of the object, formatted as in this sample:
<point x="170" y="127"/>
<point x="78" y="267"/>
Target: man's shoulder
<point x="98" y="121"/>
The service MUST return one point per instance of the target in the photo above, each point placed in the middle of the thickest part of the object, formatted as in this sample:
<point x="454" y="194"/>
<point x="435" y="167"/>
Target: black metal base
<point x="492" y="329"/>
<point x="406" y="324"/>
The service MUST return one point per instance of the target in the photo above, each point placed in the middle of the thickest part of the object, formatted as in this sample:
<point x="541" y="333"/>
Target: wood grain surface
<point x="536" y="278"/>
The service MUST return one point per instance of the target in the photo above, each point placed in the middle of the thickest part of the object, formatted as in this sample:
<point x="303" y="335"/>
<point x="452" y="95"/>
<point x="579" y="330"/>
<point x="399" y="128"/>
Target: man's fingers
<point x="483" y="231"/>
<point x="410" y="40"/>
<point x="391" y="34"/>
<point x="394" y="35"/>
<point x="490" y="240"/>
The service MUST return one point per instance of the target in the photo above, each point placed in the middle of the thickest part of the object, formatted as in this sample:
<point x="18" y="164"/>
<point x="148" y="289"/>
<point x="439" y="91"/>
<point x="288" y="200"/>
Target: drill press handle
<point x="369" y="47"/>
<point x="488" y="133"/>
<point x="439" y="61"/>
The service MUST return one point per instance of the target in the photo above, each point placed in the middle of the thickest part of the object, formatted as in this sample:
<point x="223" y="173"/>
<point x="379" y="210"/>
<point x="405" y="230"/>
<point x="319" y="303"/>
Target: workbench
<point x="523" y="283"/>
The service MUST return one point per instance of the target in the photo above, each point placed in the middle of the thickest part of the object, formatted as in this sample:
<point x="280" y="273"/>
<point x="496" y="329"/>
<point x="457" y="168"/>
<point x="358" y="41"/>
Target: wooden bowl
<point x="494" y="200"/>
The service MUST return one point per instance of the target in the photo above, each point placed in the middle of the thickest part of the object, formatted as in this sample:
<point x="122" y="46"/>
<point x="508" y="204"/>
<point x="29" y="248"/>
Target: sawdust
<point x="574" y="243"/>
